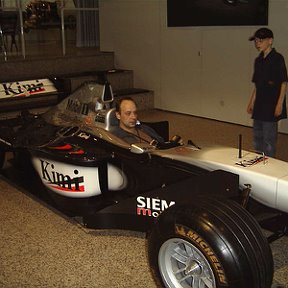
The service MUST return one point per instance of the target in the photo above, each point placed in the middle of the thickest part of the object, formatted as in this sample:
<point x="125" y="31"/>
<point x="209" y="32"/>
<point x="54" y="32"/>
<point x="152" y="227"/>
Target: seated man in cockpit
<point x="130" y="129"/>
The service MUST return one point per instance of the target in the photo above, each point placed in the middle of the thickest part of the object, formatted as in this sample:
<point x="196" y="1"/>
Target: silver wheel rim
<point x="183" y="265"/>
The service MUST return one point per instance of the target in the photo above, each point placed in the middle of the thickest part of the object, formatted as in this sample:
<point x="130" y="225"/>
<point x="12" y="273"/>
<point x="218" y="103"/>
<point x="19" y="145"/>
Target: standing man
<point x="267" y="103"/>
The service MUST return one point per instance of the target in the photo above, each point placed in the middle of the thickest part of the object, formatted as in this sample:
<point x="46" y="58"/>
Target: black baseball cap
<point x="262" y="33"/>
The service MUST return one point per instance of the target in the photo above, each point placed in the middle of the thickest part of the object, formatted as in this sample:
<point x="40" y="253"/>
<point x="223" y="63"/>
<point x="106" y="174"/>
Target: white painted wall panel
<point x="202" y="71"/>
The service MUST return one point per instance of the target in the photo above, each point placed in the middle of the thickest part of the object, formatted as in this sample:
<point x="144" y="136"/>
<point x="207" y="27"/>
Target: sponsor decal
<point x="77" y="152"/>
<point x="252" y="161"/>
<point x="68" y="148"/>
<point x="59" y="181"/>
<point x="84" y="135"/>
<point x="77" y="107"/>
<point x="205" y="248"/>
<point x="88" y="120"/>
<point x="62" y="147"/>
<point x="151" y="207"/>
<point x="26" y="88"/>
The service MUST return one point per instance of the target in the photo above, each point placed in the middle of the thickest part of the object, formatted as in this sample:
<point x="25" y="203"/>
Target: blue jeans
<point x="265" y="137"/>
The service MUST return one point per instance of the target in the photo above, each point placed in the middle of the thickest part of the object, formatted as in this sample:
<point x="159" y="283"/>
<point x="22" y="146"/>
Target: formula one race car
<point x="191" y="201"/>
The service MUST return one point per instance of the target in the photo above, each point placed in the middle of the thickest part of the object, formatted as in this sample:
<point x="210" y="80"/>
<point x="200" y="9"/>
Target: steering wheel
<point x="175" y="141"/>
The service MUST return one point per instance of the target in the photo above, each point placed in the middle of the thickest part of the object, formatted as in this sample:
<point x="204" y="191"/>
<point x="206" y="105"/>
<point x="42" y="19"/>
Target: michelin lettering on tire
<point x="205" y="248"/>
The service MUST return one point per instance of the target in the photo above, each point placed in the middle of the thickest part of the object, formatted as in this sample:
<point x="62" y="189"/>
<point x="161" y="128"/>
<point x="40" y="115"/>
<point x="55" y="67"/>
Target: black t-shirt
<point x="269" y="73"/>
<point x="132" y="138"/>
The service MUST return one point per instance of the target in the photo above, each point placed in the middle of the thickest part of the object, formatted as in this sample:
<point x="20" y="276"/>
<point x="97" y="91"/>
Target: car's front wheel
<point x="211" y="243"/>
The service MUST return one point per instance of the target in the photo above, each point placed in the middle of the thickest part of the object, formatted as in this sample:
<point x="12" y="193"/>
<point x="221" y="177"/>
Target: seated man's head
<point x="126" y="113"/>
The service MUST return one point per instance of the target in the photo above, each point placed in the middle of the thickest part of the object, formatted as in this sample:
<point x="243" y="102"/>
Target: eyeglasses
<point x="258" y="40"/>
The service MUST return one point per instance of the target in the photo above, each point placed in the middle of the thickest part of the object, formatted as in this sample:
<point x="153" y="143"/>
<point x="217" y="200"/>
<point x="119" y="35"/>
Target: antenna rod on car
<point x="240" y="146"/>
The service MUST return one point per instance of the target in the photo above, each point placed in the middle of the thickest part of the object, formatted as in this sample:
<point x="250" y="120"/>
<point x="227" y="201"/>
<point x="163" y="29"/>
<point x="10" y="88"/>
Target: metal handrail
<point x="3" y="48"/>
<point x="63" y="24"/>
<point x="62" y="9"/>
<point x="19" y="5"/>
<point x="19" y="9"/>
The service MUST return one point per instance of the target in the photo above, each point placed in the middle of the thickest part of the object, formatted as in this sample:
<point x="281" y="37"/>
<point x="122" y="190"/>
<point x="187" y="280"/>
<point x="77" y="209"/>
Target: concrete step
<point x="72" y="72"/>
<point x="55" y="67"/>
<point x="121" y="79"/>
<point x="118" y="78"/>
<point x="143" y="98"/>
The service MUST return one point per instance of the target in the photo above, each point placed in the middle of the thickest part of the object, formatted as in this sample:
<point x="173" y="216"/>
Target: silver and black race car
<point x="193" y="202"/>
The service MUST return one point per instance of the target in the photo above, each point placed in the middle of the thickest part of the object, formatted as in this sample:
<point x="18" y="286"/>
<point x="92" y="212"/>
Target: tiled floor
<point x="41" y="248"/>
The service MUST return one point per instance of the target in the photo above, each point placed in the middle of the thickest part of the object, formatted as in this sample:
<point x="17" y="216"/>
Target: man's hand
<point x="250" y="108"/>
<point x="279" y="105"/>
<point x="278" y="110"/>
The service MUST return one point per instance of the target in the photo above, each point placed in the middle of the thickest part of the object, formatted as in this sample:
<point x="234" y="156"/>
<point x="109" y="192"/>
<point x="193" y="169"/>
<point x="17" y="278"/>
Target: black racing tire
<point x="211" y="243"/>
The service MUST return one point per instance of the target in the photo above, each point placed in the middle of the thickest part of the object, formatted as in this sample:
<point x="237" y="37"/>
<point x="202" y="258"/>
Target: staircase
<point x="122" y="84"/>
<point x="72" y="72"/>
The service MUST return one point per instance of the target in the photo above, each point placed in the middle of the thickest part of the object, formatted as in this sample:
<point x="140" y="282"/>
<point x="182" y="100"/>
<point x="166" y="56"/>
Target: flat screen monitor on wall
<point x="181" y="13"/>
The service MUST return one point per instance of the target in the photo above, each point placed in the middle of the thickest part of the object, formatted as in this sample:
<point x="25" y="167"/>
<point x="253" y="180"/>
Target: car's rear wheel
<point x="211" y="243"/>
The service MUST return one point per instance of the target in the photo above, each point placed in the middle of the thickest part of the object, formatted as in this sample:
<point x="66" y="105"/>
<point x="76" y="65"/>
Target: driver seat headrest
<point x="111" y="119"/>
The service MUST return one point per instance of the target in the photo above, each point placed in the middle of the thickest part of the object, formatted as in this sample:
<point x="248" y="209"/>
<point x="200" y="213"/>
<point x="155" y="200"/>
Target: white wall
<point x="202" y="71"/>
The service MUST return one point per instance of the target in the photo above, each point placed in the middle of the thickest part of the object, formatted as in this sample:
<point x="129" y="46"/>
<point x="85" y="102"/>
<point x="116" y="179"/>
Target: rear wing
<point x="28" y="94"/>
